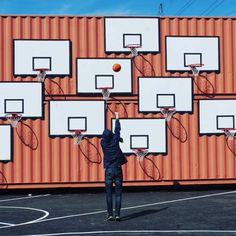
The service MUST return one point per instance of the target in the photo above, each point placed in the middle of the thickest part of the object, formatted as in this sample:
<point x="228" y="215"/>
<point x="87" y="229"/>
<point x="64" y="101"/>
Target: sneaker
<point x="109" y="218"/>
<point x="117" y="218"/>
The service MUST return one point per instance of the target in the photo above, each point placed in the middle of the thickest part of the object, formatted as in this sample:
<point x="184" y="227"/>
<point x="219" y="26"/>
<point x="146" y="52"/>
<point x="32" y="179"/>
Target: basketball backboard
<point x="87" y="116"/>
<point x="143" y="133"/>
<point x="33" y="54"/>
<point x="120" y="32"/>
<point x="22" y="97"/>
<point x="96" y="73"/>
<point x="6" y="147"/>
<point x="182" y="51"/>
<point x="155" y="93"/>
<point x="216" y="115"/>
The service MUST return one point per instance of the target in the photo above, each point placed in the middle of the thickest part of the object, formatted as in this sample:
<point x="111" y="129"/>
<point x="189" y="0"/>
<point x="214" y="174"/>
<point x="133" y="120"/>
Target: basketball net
<point x="195" y="68"/>
<point x="230" y="133"/>
<point x="77" y="136"/>
<point x="167" y="112"/>
<point x="140" y="153"/>
<point x="105" y="93"/>
<point x="13" y="118"/>
<point x="134" y="52"/>
<point x="41" y="75"/>
<point x="133" y="49"/>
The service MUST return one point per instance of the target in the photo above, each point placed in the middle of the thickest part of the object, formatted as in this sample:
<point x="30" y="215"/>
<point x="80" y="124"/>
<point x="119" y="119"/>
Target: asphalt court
<point x="145" y="211"/>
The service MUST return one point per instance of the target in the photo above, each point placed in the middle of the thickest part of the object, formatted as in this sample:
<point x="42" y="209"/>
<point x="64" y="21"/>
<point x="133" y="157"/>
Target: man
<point x="113" y="159"/>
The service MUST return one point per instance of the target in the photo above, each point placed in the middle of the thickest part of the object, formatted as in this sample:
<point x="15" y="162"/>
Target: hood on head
<point x="107" y="134"/>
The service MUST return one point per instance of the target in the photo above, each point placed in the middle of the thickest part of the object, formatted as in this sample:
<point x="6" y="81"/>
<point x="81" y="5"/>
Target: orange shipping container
<point x="57" y="162"/>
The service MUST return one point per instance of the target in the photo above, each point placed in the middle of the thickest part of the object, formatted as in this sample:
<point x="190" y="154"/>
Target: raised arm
<point x="117" y="125"/>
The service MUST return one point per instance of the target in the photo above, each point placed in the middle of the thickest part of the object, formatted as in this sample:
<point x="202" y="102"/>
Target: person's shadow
<point x="142" y="213"/>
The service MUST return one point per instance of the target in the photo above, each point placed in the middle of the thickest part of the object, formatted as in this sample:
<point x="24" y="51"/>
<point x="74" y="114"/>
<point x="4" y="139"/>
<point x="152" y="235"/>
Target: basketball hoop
<point x="77" y="136"/>
<point x="230" y="140"/>
<point x="167" y="112"/>
<point x="105" y="92"/>
<point x="133" y="49"/>
<point x="13" y="118"/>
<point x="195" y="68"/>
<point x="41" y="74"/>
<point x="230" y="133"/>
<point x="140" y="153"/>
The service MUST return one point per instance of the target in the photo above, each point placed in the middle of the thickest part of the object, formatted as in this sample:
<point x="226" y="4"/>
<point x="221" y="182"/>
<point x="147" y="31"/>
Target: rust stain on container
<point x="57" y="162"/>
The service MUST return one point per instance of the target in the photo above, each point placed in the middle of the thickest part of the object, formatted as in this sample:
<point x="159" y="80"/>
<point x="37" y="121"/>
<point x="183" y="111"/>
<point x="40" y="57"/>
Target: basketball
<point x="116" y="67"/>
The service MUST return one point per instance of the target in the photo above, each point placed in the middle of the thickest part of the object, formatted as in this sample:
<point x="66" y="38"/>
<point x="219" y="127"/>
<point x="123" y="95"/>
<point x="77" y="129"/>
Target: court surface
<point x="204" y="210"/>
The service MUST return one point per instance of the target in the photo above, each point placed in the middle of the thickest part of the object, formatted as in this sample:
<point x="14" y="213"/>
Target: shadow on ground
<point x="142" y="213"/>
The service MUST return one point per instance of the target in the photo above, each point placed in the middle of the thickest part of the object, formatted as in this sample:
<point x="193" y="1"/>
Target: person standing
<point x="113" y="159"/>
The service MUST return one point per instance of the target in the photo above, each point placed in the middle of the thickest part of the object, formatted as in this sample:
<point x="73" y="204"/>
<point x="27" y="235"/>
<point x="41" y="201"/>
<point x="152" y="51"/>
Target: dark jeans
<point x="113" y="175"/>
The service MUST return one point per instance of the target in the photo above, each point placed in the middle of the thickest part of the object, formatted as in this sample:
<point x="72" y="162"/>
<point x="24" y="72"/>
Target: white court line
<point x="140" y="206"/>
<point x="136" y="231"/>
<point x="21" y="198"/>
<point x="134" y="207"/>
<point x="181" y="200"/>
<point x="46" y="214"/>
<point x="4" y="223"/>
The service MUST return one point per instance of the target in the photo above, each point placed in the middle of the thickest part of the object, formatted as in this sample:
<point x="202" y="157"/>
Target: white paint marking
<point x="137" y="231"/>
<point x="46" y="214"/>
<point x="140" y="206"/>
<point x="22" y="198"/>
<point x="127" y="208"/>
<point x="180" y="200"/>
<point x="4" y="223"/>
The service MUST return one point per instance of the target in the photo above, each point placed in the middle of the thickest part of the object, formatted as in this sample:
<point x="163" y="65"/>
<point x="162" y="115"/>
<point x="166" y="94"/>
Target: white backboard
<point x="119" y="32"/>
<point x="6" y="142"/>
<point x="216" y="114"/>
<point x="23" y="97"/>
<point x="139" y="141"/>
<point x="77" y="123"/>
<point x="146" y="133"/>
<point x="94" y="73"/>
<point x="14" y="106"/>
<point x="54" y="55"/>
<point x="184" y="50"/>
<point x="157" y="92"/>
<point x="65" y="116"/>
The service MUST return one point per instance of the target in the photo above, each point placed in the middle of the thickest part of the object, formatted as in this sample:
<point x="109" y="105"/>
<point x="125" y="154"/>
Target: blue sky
<point x="120" y="7"/>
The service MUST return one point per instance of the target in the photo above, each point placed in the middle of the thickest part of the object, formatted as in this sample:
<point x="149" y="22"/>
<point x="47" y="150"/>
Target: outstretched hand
<point x="117" y="115"/>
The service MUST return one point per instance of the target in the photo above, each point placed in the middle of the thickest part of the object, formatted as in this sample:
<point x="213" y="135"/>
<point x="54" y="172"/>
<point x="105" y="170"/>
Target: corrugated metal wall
<point x="57" y="162"/>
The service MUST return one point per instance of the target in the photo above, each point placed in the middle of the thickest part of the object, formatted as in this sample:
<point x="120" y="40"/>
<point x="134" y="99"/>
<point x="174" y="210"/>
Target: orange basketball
<point x="116" y="67"/>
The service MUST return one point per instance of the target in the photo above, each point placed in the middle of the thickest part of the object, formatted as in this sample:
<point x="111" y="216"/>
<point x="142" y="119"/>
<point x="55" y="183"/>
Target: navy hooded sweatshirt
<point x="113" y="156"/>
